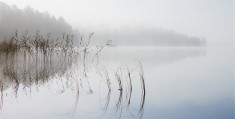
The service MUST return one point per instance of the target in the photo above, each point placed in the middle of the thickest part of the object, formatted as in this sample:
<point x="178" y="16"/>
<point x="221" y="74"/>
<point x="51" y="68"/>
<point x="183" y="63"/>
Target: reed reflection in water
<point x="71" y="70"/>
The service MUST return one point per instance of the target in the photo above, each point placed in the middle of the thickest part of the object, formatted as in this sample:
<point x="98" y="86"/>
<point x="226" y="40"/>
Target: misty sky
<point x="213" y="19"/>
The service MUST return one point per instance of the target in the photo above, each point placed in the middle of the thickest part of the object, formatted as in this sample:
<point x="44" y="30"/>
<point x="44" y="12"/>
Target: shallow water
<point x="180" y="83"/>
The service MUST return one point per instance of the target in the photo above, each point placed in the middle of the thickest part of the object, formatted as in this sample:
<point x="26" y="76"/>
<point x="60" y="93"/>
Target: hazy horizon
<point x="210" y="20"/>
<point x="117" y="59"/>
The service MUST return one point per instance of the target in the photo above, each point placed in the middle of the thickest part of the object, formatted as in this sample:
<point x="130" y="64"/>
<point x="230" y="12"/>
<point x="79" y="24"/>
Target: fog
<point x="31" y="20"/>
<point x="212" y="19"/>
<point x="13" y="19"/>
<point x="147" y="36"/>
<point x="135" y="59"/>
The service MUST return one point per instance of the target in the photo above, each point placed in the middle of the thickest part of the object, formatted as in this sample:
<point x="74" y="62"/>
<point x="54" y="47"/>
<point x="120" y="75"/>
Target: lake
<point x="120" y="82"/>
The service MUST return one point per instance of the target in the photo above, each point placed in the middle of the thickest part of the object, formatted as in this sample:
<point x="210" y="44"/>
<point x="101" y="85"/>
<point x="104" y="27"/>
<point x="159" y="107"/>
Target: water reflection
<point x="153" y="56"/>
<point x="61" y="71"/>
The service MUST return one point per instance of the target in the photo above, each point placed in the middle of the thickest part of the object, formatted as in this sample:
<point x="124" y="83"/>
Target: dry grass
<point x="45" y="58"/>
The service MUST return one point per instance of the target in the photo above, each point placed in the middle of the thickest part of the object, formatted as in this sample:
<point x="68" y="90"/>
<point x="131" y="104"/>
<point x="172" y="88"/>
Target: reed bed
<point x="36" y="60"/>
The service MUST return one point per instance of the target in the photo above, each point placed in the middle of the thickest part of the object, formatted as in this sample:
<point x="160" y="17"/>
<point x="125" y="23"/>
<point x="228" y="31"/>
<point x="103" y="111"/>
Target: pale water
<point x="179" y="83"/>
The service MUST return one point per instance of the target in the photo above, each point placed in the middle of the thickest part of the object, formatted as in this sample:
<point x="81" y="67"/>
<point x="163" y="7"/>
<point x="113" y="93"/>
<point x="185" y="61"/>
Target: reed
<point x="44" y="58"/>
<point x="142" y="80"/>
<point x="1" y="94"/>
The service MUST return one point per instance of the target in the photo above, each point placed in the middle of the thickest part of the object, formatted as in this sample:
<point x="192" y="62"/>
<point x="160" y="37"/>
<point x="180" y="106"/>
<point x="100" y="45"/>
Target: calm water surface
<point x="179" y="83"/>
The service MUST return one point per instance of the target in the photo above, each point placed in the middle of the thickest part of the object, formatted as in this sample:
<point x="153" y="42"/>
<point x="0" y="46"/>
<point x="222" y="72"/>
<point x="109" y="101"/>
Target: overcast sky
<point x="212" y="19"/>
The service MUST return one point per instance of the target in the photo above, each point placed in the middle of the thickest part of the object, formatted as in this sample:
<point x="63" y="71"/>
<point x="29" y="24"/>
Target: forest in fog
<point x="28" y="19"/>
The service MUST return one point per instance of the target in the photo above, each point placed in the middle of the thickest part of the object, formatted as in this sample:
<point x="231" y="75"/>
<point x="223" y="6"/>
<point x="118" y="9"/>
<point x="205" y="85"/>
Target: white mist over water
<point x="211" y="19"/>
<point x="185" y="83"/>
<point x="181" y="82"/>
